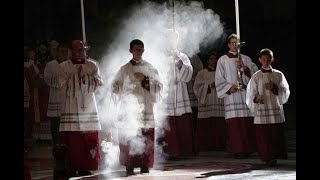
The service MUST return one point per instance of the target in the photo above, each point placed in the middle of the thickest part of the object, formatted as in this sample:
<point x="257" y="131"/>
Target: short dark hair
<point x="266" y="51"/>
<point x="136" y="42"/>
<point x="213" y="53"/>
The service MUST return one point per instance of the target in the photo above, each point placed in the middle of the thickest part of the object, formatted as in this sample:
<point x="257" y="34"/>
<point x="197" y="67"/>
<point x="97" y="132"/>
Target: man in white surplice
<point x="79" y="122"/>
<point x="232" y="75"/>
<point x="179" y="138"/>
<point x="56" y="94"/>
<point x="137" y="84"/>
<point x="197" y="66"/>
<point x="211" y="131"/>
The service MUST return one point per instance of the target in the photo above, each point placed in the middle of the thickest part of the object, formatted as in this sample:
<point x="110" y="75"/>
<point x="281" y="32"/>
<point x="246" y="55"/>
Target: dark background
<point x="263" y="23"/>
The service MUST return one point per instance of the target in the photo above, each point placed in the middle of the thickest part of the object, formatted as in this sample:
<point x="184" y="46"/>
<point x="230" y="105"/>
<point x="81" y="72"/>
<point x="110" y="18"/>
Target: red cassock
<point x="27" y="174"/>
<point x="179" y="140"/>
<point x="84" y="149"/>
<point x="211" y="133"/>
<point x="146" y="159"/>
<point x="271" y="141"/>
<point x="241" y="135"/>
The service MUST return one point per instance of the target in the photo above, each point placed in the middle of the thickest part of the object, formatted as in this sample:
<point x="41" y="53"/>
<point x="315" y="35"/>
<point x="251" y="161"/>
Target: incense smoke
<point x="148" y="21"/>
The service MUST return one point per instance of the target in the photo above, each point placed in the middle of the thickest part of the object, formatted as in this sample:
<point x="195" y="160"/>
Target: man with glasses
<point x="79" y="122"/>
<point x="233" y="73"/>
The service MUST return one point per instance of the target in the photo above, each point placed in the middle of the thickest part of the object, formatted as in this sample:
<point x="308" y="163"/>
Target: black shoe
<point x="73" y="174"/>
<point x="271" y="162"/>
<point x="173" y="158"/>
<point x="62" y="174"/>
<point x="84" y="173"/>
<point x="144" y="170"/>
<point x="129" y="171"/>
<point x="217" y="149"/>
<point x="241" y="155"/>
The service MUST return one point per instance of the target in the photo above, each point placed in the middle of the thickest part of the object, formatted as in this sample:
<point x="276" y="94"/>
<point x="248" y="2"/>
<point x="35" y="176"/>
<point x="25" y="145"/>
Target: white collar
<point x="268" y="68"/>
<point x="234" y="53"/>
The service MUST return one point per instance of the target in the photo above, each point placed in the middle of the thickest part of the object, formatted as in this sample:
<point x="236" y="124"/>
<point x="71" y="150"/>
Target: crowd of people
<point x="229" y="105"/>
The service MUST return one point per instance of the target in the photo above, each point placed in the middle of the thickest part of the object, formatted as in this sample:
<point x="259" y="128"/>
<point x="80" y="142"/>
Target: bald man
<point x="79" y="123"/>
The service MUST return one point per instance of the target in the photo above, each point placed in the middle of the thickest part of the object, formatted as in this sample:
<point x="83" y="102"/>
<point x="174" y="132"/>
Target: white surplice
<point x="177" y="102"/>
<point x="226" y="76"/>
<point x="56" y="95"/>
<point x="80" y="108"/>
<point x="272" y="110"/>
<point x="197" y="66"/>
<point x="135" y="102"/>
<point x="209" y="105"/>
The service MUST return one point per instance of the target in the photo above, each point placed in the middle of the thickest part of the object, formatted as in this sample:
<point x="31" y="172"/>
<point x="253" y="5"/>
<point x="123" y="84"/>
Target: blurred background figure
<point x="211" y="130"/>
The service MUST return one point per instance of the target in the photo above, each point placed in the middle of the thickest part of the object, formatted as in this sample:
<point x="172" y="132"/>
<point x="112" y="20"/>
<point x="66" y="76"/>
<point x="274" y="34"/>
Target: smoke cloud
<point x="149" y="21"/>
